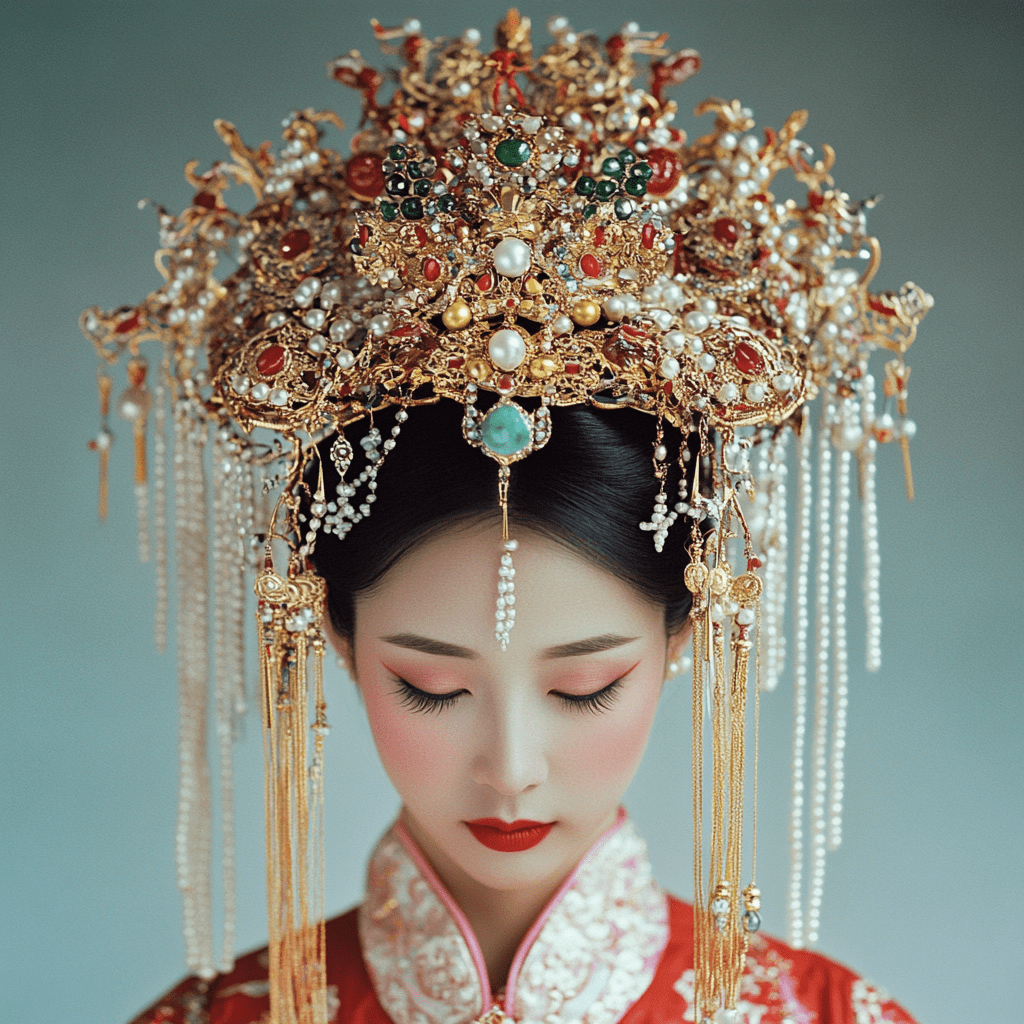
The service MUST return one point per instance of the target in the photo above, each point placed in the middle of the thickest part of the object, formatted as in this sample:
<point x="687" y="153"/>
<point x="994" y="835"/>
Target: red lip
<point x="509" y="836"/>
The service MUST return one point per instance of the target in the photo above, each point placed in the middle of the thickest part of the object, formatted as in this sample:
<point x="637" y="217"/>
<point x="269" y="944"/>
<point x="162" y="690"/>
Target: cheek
<point x="415" y="749"/>
<point x="609" y="748"/>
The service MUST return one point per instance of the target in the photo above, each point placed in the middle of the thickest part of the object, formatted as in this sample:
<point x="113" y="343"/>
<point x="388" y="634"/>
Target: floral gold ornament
<point x="516" y="232"/>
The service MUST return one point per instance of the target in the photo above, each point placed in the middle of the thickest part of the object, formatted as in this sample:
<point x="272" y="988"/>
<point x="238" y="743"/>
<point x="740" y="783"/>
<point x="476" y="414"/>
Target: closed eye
<point x="599" y="700"/>
<point x="418" y="700"/>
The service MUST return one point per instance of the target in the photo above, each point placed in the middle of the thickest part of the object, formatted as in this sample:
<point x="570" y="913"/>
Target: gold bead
<point x="457" y="315"/>
<point x="586" y="312"/>
<point x="477" y="369"/>
<point x="543" y="367"/>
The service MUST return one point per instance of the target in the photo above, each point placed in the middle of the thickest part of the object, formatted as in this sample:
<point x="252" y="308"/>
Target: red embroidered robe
<point x="609" y="948"/>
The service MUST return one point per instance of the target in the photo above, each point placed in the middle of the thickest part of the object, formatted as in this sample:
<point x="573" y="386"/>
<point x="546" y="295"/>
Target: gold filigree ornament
<point x="514" y="231"/>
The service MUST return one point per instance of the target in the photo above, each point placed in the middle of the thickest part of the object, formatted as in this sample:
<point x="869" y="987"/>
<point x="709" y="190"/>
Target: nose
<point x="510" y="757"/>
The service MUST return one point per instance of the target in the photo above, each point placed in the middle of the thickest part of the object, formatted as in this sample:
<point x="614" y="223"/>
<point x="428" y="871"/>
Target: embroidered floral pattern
<point x="594" y="955"/>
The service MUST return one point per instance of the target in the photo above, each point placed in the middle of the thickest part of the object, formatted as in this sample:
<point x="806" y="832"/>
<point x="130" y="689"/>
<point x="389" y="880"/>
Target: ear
<point x="342" y="648"/>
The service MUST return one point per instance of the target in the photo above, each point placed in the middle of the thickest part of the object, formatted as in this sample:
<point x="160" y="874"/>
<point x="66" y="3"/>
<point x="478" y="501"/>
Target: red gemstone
<point x="747" y="360"/>
<point x="726" y="231"/>
<point x="591" y="265"/>
<point x="880" y="307"/>
<point x="667" y="168"/>
<point x="572" y="367"/>
<point x="815" y="200"/>
<point x="127" y="325"/>
<point x="753" y="563"/>
<point x="484" y="283"/>
<point x="365" y="177"/>
<point x="647" y="236"/>
<point x="599" y="236"/>
<point x="421" y="236"/>
<point x="431" y="269"/>
<point x="622" y="350"/>
<point x="270" y="360"/>
<point x="454" y="362"/>
<point x="206" y="200"/>
<point x="295" y="243"/>
<point x="506" y="382"/>
<point x="364" y="234"/>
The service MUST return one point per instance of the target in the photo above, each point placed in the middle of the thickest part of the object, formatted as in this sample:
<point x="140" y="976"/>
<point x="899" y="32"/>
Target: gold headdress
<point x="533" y="227"/>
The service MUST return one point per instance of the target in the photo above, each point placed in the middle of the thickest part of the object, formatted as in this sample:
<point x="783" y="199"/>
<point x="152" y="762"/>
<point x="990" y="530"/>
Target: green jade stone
<point x="585" y="186"/>
<point x="421" y="187"/>
<point x="606" y="189"/>
<point x="611" y="167"/>
<point x="642" y="171"/>
<point x="512" y="152"/>
<point x="412" y="208"/>
<point x="412" y="168"/>
<point x="389" y="211"/>
<point x="505" y="430"/>
<point x="635" y="186"/>
<point x="446" y="204"/>
<point x="397" y="152"/>
<point x="626" y="157"/>
<point x="589" y="211"/>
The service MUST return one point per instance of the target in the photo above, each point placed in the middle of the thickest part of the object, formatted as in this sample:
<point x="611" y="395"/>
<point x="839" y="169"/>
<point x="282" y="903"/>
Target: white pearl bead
<point x="614" y="307"/>
<point x="260" y="391"/>
<point x="783" y="383"/>
<point x="471" y="36"/>
<point x="728" y="392"/>
<point x="330" y="295"/>
<point x="662" y="318"/>
<point x="696" y="321"/>
<point x="315" y="318"/>
<point x="695" y="345"/>
<point x="512" y="257"/>
<point x="342" y="330"/>
<point x="345" y="358"/>
<point x="240" y="384"/>
<point x="317" y="343"/>
<point x="561" y="325"/>
<point x="754" y="393"/>
<point x="673" y="342"/>
<point x="706" y="362"/>
<point x="661" y="453"/>
<point x="507" y="349"/>
<point x="745" y="616"/>
<point x="379" y="325"/>
<point x="708" y="306"/>
<point x="669" y="367"/>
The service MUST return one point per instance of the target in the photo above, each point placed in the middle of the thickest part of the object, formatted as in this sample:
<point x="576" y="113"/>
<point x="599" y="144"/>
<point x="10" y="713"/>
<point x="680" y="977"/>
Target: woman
<point x="620" y="319"/>
<point x="513" y="881"/>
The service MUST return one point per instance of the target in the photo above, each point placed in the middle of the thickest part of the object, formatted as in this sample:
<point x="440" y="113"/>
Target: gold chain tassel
<point x="290" y="621"/>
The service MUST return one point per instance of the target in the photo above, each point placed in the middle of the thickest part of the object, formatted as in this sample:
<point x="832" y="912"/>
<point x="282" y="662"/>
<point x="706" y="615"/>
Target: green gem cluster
<point x="412" y="194"/>
<point x="624" y="178"/>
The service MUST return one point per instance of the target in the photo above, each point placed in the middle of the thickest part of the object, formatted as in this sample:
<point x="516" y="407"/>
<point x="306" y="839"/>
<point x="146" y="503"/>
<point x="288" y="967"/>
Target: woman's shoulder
<point x="780" y="983"/>
<point x="242" y="995"/>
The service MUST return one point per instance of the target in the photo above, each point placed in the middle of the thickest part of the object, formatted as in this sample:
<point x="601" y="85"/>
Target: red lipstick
<point x="509" y="836"/>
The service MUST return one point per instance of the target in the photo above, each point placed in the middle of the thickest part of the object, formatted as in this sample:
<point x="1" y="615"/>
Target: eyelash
<point x="421" y="702"/>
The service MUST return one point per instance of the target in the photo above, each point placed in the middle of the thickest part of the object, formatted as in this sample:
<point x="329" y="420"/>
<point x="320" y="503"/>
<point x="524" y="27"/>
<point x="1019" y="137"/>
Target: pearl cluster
<point x="505" y="612"/>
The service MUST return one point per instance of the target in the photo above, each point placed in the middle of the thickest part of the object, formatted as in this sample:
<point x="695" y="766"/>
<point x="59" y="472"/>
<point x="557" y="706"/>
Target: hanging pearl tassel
<point x="842" y="675"/>
<point x="193" y="837"/>
<point x="805" y="508"/>
<point x="160" y="514"/>
<point x="819" y="744"/>
<point x="505" y="613"/>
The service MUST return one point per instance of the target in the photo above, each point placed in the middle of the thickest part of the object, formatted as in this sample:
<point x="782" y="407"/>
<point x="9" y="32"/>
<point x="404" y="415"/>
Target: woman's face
<point x="549" y="731"/>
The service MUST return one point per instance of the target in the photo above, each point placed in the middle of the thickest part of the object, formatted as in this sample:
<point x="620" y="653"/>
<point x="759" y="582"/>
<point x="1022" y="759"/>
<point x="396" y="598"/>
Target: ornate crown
<point x="536" y="227"/>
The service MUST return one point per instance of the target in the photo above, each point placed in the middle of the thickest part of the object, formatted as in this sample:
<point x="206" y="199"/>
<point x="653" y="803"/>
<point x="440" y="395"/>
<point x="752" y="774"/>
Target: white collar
<point x="588" y="957"/>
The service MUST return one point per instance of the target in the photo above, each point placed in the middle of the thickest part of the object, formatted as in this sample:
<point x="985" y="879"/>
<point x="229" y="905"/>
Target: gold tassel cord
<point x="290" y="620"/>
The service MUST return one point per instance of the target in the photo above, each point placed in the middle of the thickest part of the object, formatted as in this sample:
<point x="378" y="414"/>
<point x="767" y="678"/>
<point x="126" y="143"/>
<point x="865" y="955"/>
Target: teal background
<point x="103" y="102"/>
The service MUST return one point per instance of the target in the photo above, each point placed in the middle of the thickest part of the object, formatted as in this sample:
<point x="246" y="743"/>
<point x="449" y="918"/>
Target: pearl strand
<point x="160" y="514"/>
<point x="819" y="743"/>
<point x="192" y="839"/>
<point x="803" y="561"/>
<point x="869" y="527"/>
<point x="842" y="675"/>
<point x="777" y="553"/>
<point x="142" y="516"/>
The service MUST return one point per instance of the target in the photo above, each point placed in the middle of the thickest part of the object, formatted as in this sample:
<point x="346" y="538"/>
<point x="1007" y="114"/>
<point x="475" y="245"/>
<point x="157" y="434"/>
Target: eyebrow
<point x="443" y="649"/>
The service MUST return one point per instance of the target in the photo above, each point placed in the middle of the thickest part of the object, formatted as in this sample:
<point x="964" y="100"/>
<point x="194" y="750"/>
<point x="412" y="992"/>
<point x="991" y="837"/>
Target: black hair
<point x="588" y="489"/>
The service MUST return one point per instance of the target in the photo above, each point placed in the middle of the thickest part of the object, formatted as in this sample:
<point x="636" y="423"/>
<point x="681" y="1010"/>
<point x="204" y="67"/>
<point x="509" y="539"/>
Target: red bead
<point x="127" y="325"/>
<point x="364" y="176"/>
<point x="667" y="168"/>
<point x="270" y="360"/>
<point x="484" y="283"/>
<point x="647" y="236"/>
<point x="599" y="236"/>
<point x="431" y="269"/>
<point x="591" y="265"/>
<point x="454" y="362"/>
<point x="753" y="563"/>
<point x="421" y="236"/>
<point x="364" y="234"/>
<point x="295" y="243"/>
<point x="506" y="382"/>
<point x="726" y="231"/>
<point x="572" y="367"/>
<point x="205" y="200"/>
<point x="747" y="361"/>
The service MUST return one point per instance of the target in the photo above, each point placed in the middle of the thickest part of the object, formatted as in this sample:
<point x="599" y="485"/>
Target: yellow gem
<point x="477" y="369"/>
<point x="543" y="366"/>
<point x="457" y="315"/>
<point x="586" y="312"/>
<point x="533" y="286"/>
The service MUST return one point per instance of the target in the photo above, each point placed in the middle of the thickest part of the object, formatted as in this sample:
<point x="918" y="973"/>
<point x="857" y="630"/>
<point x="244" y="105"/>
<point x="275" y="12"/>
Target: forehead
<point x="446" y="588"/>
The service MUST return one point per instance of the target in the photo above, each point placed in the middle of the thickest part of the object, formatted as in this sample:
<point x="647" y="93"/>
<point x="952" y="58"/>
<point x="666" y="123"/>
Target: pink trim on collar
<point x="435" y="883"/>
<point x="531" y="935"/>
